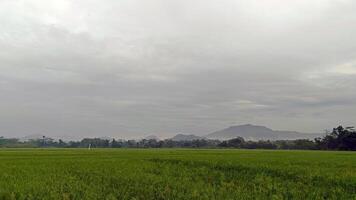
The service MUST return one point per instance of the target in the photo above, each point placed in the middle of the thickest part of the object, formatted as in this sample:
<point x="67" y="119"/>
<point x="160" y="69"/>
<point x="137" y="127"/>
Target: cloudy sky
<point x="129" y="68"/>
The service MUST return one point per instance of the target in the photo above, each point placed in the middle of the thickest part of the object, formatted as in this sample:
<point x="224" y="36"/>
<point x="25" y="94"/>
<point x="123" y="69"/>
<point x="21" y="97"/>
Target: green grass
<point x="176" y="174"/>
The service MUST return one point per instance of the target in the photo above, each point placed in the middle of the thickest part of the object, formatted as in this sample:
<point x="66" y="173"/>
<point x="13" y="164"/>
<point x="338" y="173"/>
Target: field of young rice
<point x="176" y="174"/>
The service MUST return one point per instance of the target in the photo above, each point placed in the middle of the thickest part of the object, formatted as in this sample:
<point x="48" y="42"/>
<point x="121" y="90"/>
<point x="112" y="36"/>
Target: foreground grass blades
<point x="176" y="174"/>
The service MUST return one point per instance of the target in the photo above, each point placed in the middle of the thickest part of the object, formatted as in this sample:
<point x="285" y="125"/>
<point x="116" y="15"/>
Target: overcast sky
<point x="130" y="68"/>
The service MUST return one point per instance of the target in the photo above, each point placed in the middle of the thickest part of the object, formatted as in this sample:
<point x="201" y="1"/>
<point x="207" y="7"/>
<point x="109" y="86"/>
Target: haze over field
<point x="162" y="67"/>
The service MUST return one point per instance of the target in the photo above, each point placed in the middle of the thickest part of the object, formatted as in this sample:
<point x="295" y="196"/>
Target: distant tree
<point x="339" y="139"/>
<point x="304" y="144"/>
<point x="131" y="143"/>
<point x="236" y="143"/>
<point x="115" y="144"/>
<point x="61" y="143"/>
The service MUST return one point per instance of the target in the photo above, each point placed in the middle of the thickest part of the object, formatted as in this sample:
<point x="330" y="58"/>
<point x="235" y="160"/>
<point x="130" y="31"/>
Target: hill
<point x="253" y="132"/>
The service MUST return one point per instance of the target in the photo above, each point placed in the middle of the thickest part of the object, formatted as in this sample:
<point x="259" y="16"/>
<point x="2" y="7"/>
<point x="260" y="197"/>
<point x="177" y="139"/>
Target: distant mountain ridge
<point x="247" y="131"/>
<point x="254" y="133"/>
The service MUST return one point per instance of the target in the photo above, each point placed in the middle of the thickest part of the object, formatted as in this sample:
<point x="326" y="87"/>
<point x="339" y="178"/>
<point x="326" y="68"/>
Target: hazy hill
<point x="252" y="132"/>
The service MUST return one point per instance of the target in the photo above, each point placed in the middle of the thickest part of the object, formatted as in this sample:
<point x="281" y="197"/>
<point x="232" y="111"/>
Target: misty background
<point x="132" y="68"/>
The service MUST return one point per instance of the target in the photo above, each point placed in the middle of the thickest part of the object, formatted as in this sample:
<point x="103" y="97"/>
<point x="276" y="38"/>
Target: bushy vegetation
<point x="240" y="143"/>
<point x="339" y="139"/>
<point x="176" y="174"/>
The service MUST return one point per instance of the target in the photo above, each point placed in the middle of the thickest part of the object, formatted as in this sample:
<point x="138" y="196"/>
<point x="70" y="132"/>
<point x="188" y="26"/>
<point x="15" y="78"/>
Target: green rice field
<point x="176" y="174"/>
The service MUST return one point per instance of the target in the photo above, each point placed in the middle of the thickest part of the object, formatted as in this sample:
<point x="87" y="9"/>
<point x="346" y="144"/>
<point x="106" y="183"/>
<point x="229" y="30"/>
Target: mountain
<point x="182" y="137"/>
<point x="254" y="133"/>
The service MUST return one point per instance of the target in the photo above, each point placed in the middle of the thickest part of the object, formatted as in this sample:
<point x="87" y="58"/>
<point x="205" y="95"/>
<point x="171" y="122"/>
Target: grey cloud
<point x="132" y="68"/>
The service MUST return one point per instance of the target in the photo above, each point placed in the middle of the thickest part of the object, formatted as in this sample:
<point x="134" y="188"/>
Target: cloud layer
<point x="133" y="68"/>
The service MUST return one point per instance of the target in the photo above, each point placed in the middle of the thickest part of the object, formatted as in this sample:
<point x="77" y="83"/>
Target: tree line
<point x="339" y="139"/>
